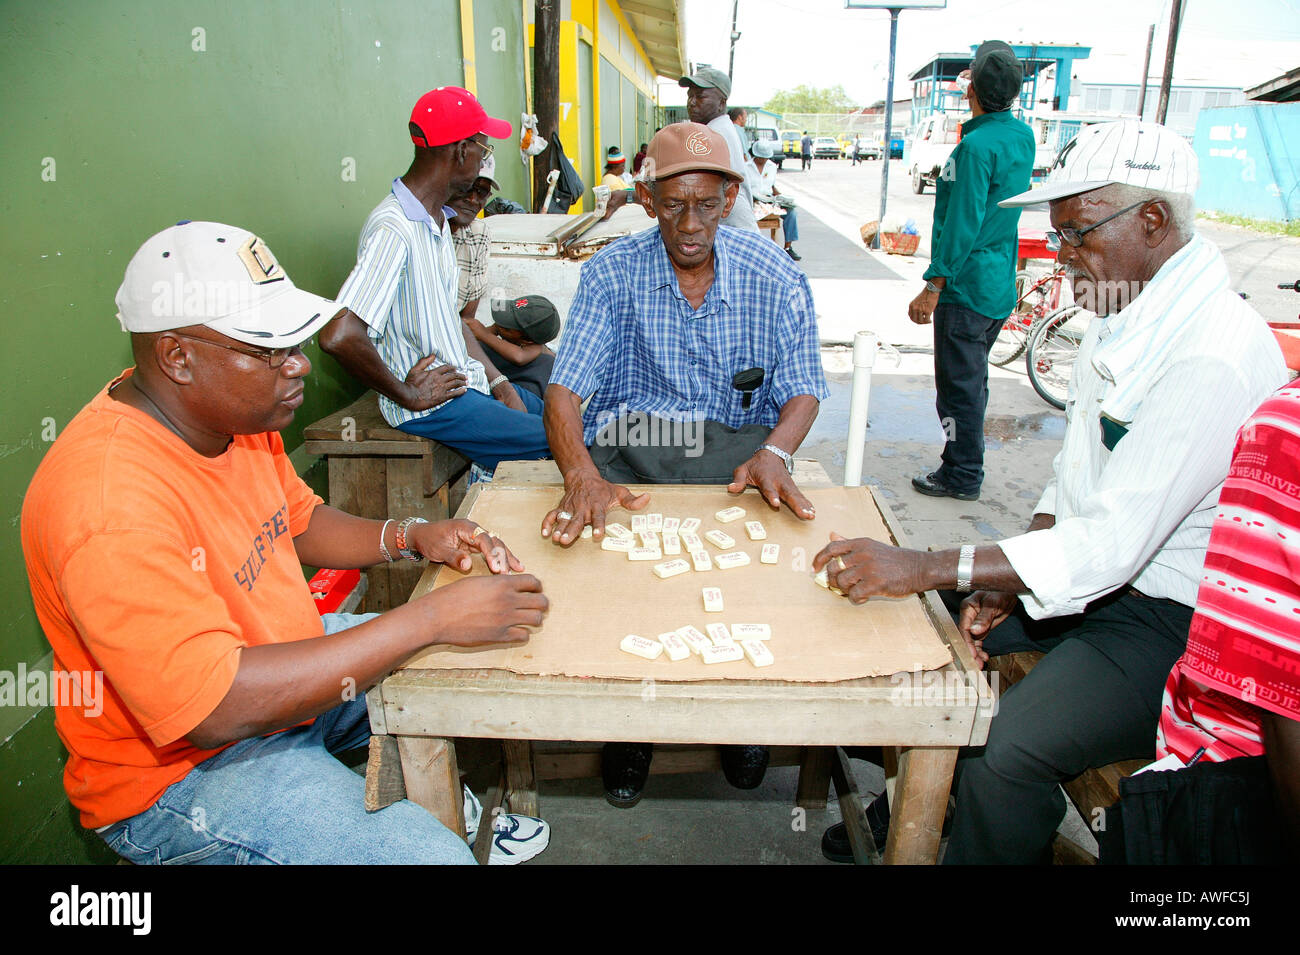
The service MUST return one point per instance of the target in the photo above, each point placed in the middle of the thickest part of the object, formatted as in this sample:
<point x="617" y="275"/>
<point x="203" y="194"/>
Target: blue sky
<point x="818" y="42"/>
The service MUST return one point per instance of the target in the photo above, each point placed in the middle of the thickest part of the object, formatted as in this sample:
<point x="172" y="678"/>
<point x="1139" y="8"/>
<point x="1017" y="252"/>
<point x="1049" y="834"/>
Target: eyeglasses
<point x="1074" y="237"/>
<point x="486" y="147"/>
<point x="274" y="357"/>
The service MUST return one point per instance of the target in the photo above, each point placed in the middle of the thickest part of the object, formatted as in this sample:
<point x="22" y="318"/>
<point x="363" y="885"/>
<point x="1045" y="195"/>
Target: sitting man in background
<point x="708" y="327"/>
<point x="399" y="331"/>
<point x="165" y="533"/>
<point x="766" y="191"/>
<point x="1105" y="577"/>
<point x="518" y="337"/>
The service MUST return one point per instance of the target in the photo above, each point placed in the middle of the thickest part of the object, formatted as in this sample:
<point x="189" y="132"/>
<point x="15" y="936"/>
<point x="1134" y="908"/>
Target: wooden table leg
<point x="919" y="802"/>
<point x="814" y="777"/>
<point x="853" y="810"/>
<point x="432" y="778"/>
<point x="521" y="776"/>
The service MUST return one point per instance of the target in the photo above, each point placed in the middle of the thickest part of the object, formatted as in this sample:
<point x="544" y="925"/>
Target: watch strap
<point x="965" y="568"/>
<point x="783" y="455"/>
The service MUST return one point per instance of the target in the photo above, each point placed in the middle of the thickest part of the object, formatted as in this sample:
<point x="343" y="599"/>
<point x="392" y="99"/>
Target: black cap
<point x="533" y="315"/>
<point x="996" y="76"/>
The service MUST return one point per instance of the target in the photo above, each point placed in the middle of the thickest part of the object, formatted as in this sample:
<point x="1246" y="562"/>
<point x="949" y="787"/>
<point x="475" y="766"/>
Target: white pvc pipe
<point x="864" y="357"/>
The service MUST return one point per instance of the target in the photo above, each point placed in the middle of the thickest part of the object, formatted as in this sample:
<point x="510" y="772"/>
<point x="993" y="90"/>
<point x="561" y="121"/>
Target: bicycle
<point x="1051" y="351"/>
<point x="1035" y="300"/>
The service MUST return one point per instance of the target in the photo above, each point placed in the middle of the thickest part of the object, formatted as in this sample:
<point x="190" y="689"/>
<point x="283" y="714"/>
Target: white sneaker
<point x="515" y="838"/>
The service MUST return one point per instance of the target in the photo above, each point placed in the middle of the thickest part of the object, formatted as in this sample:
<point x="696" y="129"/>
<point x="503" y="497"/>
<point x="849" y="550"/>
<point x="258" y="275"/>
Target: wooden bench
<point x="1097" y="789"/>
<point x="378" y="472"/>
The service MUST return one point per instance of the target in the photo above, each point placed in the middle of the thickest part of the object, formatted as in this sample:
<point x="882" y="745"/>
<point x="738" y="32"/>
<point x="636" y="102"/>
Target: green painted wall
<point x="136" y="127"/>
<point x="500" y="64"/>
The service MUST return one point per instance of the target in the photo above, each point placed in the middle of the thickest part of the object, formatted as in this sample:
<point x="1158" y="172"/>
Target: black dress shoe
<point x="744" y="766"/>
<point x="624" y="768"/>
<point x="835" y="840"/>
<point x="789" y="250"/>
<point x="933" y="486"/>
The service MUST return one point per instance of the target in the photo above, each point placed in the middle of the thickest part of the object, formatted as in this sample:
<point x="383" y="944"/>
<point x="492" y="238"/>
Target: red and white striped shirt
<point x="1243" y="650"/>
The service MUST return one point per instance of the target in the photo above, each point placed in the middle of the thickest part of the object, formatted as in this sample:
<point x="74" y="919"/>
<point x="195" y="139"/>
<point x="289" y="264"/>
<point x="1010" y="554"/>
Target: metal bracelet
<point x="931" y="287"/>
<point x="785" y="456"/>
<point x="402" y="530"/>
<point x="496" y="381"/>
<point x="383" y="549"/>
<point x="965" y="568"/>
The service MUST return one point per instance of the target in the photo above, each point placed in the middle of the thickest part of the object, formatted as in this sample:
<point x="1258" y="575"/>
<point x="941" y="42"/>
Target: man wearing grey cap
<point x="707" y="90"/>
<point x="165" y="532"/>
<point x="970" y="284"/>
<point x="1105" y="577"/>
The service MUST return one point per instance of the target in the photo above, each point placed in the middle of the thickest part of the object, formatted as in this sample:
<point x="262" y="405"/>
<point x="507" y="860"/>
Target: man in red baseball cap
<point x="399" y="331"/>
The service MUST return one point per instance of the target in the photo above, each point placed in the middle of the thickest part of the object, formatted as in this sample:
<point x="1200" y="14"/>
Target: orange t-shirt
<point x="156" y="565"/>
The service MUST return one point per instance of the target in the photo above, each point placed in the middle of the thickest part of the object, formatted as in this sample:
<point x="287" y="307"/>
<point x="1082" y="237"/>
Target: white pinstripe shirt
<point x="404" y="288"/>
<point x="1181" y="368"/>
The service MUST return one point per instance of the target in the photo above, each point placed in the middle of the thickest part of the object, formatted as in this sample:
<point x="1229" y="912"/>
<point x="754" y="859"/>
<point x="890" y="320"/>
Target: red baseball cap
<point x="450" y="114"/>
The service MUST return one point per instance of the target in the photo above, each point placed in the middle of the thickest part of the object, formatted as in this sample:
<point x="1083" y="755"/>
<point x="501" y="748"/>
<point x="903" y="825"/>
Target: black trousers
<point x="962" y="340"/>
<point x="1092" y="700"/>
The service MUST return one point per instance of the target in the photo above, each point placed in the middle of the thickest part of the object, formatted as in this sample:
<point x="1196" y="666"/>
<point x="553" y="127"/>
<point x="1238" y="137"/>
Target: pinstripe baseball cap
<point x="1146" y="155"/>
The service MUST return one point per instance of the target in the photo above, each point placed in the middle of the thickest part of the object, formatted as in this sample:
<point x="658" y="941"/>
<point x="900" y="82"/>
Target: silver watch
<point x="965" y="568"/>
<point x="783" y="455"/>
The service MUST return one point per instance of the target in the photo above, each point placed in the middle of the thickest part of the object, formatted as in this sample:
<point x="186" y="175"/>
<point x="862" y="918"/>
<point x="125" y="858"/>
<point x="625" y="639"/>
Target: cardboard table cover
<point x="597" y="597"/>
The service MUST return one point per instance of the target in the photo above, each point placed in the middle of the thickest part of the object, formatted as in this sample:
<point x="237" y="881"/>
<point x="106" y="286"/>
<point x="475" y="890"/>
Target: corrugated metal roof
<point x="661" y="33"/>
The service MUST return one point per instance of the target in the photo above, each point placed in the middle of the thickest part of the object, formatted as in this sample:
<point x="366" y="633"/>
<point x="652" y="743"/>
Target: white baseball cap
<point x="488" y="171"/>
<point x="1133" y="153"/>
<point x="206" y="273"/>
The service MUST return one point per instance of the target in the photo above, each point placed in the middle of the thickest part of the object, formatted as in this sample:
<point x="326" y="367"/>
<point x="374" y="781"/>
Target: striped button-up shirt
<point x="404" y="288"/>
<point x="634" y="343"/>
<point x="1173" y="376"/>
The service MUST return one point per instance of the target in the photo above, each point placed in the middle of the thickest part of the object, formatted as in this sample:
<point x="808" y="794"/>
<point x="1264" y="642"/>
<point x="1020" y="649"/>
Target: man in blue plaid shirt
<point x="708" y="329"/>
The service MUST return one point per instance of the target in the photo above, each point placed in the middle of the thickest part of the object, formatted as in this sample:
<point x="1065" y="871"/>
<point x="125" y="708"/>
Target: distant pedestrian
<point x="739" y="117"/>
<point x="805" y="148"/>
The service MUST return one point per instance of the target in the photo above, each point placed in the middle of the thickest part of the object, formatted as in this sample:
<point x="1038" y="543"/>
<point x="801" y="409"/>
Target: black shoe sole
<point x="618" y="803"/>
<point x="945" y="492"/>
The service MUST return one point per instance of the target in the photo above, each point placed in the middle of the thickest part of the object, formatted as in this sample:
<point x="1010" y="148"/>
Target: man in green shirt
<point x="970" y="284"/>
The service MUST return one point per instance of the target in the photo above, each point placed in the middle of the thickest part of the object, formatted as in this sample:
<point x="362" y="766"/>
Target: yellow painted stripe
<point x="467" y="44"/>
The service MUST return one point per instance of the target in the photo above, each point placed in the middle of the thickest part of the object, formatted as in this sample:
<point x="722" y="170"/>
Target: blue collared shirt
<point x="404" y="288"/>
<point x="634" y="343"/>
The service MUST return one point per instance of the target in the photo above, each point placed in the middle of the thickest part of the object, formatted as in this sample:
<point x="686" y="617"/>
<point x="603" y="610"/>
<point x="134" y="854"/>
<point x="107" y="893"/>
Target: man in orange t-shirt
<point x="164" y="534"/>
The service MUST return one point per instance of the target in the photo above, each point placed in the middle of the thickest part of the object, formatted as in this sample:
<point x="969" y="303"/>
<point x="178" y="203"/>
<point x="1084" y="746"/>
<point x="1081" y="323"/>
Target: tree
<point x="810" y="99"/>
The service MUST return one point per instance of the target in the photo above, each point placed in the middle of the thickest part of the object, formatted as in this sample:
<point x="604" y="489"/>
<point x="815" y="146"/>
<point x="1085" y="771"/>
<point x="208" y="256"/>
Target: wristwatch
<point x="965" y="568"/>
<point x="931" y="287"/>
<point x="784" y="456"/>
<point x="402" y="529"/>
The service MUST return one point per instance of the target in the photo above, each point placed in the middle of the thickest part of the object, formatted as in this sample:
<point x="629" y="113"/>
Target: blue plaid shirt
<point x="633" y="343"/>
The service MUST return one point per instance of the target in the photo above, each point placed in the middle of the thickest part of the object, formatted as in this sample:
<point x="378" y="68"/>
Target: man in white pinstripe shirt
<point x="1106" y="575"/>
<point x="399" y="331"/>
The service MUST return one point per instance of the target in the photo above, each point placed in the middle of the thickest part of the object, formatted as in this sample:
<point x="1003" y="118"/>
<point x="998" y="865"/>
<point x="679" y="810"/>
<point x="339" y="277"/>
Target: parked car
<point x="790" y="142"/>
<point x="933" y="143"/>
<point x="825" y="147"/>
<point x="767" y="134"/>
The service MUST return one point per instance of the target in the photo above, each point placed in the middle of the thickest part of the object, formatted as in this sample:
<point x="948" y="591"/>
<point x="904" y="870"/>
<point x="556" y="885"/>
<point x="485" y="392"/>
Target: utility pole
<point x="1146" y="71"/>
<point x="731" y="63"/>
<point x="546" y="89"/>
<point x="1175" y="21"/>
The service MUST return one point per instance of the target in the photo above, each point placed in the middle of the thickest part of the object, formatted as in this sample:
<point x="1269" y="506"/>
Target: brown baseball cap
<point x="688" y="147"/>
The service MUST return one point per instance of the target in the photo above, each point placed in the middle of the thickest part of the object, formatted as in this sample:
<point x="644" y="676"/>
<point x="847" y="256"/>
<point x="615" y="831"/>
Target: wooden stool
<point x="378" y="472"/>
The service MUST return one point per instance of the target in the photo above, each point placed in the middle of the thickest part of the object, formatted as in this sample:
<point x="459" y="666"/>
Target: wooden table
<point x="417" y="713"/>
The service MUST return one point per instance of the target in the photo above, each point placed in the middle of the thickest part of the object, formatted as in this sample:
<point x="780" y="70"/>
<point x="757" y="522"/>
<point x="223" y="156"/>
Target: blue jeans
<point x="285" y="799"/>
<point x="485" y="430"/>
<point x="790" y="226"/>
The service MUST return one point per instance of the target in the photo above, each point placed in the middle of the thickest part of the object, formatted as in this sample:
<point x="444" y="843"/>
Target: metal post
<point x="1166" y="81"/>
<point x="731" y="62"/>
<point x="889" y="123"/>
<point x="864" y="357"/>
<point x="1146" y="71"/>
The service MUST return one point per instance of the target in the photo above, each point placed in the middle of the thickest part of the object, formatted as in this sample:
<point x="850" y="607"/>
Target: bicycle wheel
<point x="1034" y="299"/>
<point x="1049" y="356"/>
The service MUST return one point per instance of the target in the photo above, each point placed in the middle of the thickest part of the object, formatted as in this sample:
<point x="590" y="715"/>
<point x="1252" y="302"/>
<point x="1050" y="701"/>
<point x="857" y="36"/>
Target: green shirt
<point x="974" y="244"/>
